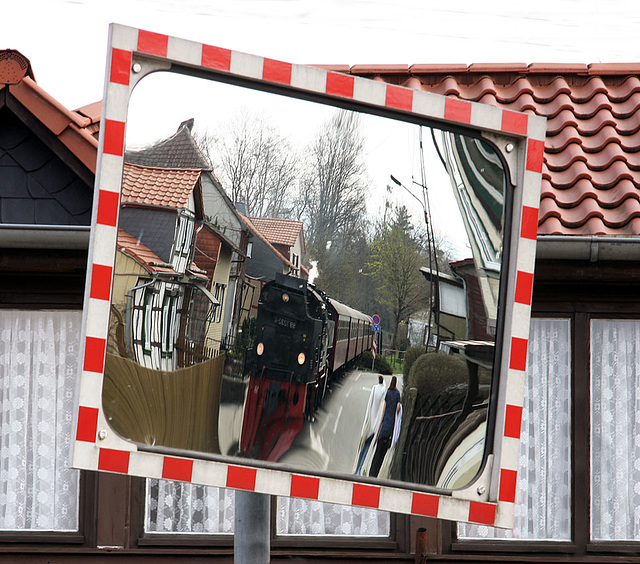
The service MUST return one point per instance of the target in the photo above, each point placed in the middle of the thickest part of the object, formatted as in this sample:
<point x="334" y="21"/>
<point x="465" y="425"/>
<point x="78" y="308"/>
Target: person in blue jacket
<point x="385" y="434"/>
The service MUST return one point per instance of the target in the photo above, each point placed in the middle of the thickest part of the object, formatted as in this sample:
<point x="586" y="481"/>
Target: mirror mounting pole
<point x="252" y="532"/>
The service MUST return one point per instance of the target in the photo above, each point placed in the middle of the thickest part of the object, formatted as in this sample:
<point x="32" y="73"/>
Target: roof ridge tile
<point x="558" y="68"/>
<point x="498" y="67"/>
<point x="614" y="68"/>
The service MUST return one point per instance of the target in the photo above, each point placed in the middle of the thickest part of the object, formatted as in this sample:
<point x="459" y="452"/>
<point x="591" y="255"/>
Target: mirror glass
<point x="267" y="247"/>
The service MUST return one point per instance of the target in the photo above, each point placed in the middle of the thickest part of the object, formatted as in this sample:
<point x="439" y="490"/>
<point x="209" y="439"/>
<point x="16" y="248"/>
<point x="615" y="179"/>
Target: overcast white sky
<point x="66" y="39"/>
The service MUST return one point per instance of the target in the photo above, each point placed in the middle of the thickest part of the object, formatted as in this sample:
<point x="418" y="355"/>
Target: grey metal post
<point x="251" y="539"/>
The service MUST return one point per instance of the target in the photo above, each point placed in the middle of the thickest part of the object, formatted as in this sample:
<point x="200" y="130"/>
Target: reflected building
<point x="168" y="315"/>
<point x="277" y="247"/>
<point x="285" y="236"/>
<point x="169" y="311"/>
<point x="445" y="441"/>
<point x="163" y="358"/>
<point x="450" y="307"/>
<point x="478" y="182"/>
<point x="224" y="228"/>
<point x="162" y="294"/>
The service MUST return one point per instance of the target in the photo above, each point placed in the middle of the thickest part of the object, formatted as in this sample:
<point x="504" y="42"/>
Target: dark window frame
<point x="580" y="292"/>
<point x="396" y="541"/>
<point x="27" y="277"/>
<point x="83" y="537"/>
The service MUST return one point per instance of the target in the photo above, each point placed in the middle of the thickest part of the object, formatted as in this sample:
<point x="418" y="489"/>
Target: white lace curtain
<point x="173" y="507"/>
<point x="38" y="366"/>
<point x="307" y="517"/>
<point x="615" y="430"/>
<point x="543" y="502"/>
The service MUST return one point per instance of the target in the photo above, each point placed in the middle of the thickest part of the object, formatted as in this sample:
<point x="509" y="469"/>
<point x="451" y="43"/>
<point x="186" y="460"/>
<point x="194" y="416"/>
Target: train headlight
<point x="260" y="349"/>
<point x="285" y="297"/>
<point x="301" y="359"/>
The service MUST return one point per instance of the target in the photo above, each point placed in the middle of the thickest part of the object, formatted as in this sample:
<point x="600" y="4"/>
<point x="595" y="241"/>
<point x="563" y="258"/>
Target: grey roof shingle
<point x="177" y="151"/>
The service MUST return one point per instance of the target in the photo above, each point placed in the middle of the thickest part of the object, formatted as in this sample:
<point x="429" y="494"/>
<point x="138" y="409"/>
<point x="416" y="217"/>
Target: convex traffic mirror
<point x="252" y="217"/>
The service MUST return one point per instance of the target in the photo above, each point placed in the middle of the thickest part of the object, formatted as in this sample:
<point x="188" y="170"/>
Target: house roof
<point x="223" y="238"/>
<point x="47" y="159"/>
<point x="279" y="231"/>
<point x="69" y="127"/>
<point x="591" y="178"/>
<point x="178" y="151"/>
<point x="154" y="186"/>
<point x="92" y="112"/>
<point x="258" y="233"/>
<point x="151" y="262"/>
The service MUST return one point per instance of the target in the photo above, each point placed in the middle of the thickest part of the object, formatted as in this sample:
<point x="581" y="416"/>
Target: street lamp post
<point x="431" y="249"/>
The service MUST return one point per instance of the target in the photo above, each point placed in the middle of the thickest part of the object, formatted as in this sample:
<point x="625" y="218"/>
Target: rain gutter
<point x="21" y="236"/>
<point x="592" y="248"/>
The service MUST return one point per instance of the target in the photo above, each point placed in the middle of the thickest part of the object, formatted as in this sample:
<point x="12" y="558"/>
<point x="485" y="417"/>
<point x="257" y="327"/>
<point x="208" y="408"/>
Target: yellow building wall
<point x="127" y="276"/>
<point x="220" y="276"/>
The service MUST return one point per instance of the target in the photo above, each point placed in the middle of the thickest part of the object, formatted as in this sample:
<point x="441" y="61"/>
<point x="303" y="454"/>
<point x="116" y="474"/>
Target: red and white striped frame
<point x="132" y="53"/>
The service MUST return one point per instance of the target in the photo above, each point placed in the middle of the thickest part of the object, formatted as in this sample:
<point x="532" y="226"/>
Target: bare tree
<point x="206" y="141"/>
<point x="331" y="199"/>
<point x="256" y="164"/>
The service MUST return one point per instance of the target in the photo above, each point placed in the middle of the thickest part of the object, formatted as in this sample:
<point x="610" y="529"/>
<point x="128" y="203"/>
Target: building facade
<point x="579" y="481"/>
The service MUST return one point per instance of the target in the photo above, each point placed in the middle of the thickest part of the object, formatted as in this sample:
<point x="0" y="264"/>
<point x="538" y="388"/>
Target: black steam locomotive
<point x="302" y="338"/>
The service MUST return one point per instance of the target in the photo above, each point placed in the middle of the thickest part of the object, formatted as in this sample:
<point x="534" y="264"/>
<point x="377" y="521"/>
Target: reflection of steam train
<point x="302" y="338"/>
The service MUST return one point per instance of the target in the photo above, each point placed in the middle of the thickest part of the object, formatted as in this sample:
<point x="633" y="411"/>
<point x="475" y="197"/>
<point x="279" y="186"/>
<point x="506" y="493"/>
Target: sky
<point x="66" y="40"/>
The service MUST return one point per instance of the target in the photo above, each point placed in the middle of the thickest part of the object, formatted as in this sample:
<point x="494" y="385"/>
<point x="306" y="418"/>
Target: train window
<point x="429" y="221"/>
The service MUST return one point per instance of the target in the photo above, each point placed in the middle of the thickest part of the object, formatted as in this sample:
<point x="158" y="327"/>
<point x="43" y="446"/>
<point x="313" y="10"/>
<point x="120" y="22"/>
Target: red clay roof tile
<point x="584" y="189"/>
<point x="387" y="69"/>
<point x="254" y="229"/>
<point x="592" y="143"/>
<point x="278" y="231"/>
<point x="413" y="83"/>
<point x="153" y="186"/>
<point x="619" y="92"/>
<point x="614" y="68"/>
<point x="68" y="126"/>
<point x="558" y="68"/>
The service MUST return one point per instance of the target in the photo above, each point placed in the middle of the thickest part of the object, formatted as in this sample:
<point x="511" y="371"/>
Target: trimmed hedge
<point x="410" y="356"/>
<point x="433" y="373"/>
<point x="381" y="366"/>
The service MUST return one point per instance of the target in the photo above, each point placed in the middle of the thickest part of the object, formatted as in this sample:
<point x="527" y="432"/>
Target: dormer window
<point x="182" y="244"/>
